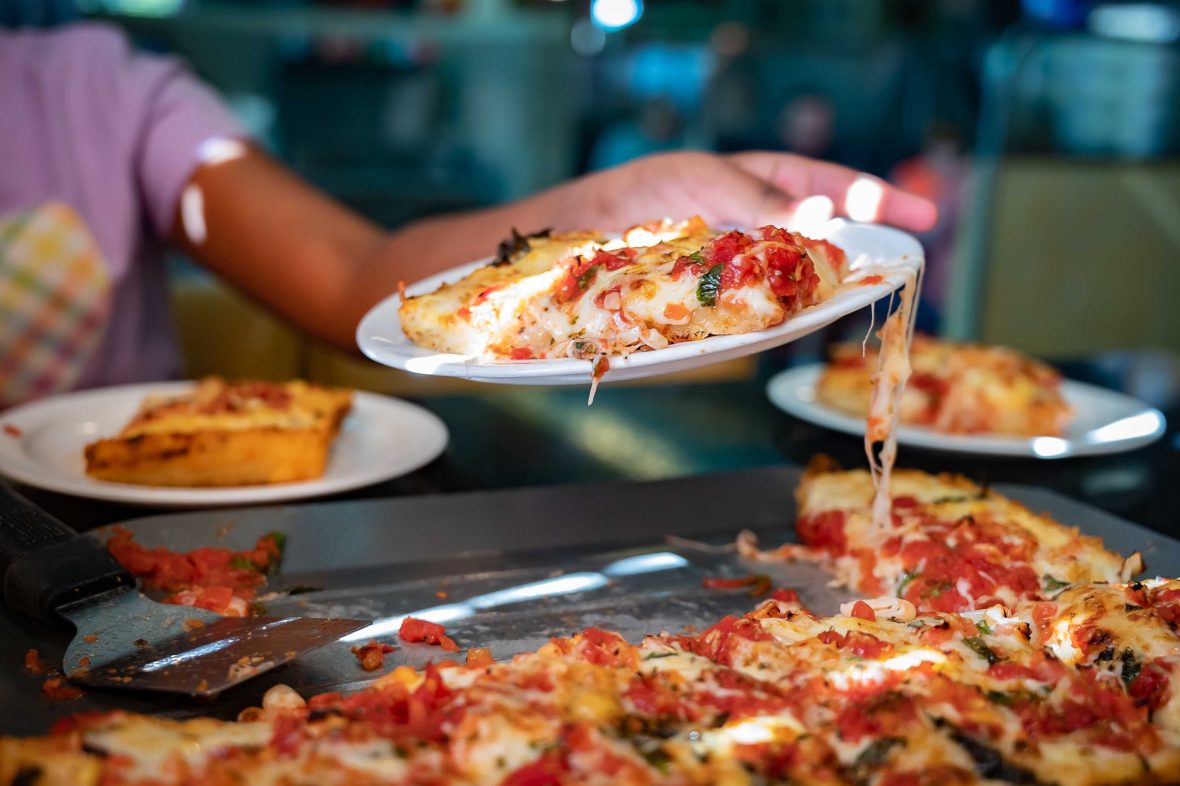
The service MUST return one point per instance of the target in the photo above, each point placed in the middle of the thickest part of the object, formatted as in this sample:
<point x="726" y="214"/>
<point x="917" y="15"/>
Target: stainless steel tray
<point x="516" y="567"/>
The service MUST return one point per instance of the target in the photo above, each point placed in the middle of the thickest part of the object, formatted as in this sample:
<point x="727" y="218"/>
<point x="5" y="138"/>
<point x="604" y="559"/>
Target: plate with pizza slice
<point x="573" y="308"/>
<point x="972" y="398"/>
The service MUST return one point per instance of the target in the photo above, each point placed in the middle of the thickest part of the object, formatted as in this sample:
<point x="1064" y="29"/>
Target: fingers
<point x="860" y="196"/>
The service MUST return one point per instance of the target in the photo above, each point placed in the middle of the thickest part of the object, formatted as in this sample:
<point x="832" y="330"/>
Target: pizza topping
<point x="421" y="631"/>
<point x="217" y="579"/>
<point x="709" y="285"/>
<point x="371" y="655"/>
<point x="35" y="664"/>
<point x="515" y="245"/>
<point x="759" y="584"/>
<point x="57" y="689"/>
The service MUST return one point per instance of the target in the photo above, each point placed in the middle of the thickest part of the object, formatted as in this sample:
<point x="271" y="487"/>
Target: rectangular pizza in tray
<point x="993" y="645"/>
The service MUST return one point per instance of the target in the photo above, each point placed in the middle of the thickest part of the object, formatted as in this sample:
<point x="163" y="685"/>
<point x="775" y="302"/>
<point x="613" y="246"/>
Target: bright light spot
<point x="587" y="38"/>
<point x="752" y="732"/>
<point x="1148" y="22"/>
<point x="1061" y="642"/>
<point x="615" y="14"/>
<point x="1142" y="425"/>
<point x="192" y="214"/>
<point x="431" y="363"/>
<point x="187" y="655"/>
<point x="874" y="671"/>
<point x="645" y="563"/>
<point x="863" y="200"/>
<point x="562" y="585"/>
<point x="811" y="213"/>
<point x="1049" y="447"/>
<point x="220" y="149"/>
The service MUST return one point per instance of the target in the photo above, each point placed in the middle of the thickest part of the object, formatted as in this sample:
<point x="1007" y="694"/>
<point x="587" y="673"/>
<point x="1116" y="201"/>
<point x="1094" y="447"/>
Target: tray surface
<point x="516" y="567"/>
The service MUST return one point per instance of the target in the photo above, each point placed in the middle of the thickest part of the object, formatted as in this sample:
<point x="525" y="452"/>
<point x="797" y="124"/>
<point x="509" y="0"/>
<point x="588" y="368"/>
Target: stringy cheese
<point x="889" y="380"/>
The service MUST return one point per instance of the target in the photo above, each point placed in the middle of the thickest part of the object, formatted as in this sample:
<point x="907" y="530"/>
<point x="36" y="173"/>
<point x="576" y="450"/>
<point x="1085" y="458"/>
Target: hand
<point x="743" y="189"/>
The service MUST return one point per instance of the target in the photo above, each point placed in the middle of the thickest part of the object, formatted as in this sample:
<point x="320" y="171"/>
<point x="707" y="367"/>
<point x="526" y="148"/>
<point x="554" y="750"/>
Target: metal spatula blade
<point x="125" y="640"/>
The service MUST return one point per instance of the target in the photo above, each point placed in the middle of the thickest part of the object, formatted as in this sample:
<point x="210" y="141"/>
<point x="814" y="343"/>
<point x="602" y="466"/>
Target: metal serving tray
<point x="504" y="569"/>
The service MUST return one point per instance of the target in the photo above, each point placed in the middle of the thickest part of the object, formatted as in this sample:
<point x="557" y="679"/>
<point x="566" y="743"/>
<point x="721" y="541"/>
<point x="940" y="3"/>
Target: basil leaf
<point x="709" y="286"/>
<point x="1131" y="666"/>
<point x="280" y="539"/>
<point x="587" y="277"/>
<point x="980" y="648"/>
<point x="876" y="752"/>
<point x="905" y="582"/>
<point x="1053" y="585"/>
<point x="242" y="563"/>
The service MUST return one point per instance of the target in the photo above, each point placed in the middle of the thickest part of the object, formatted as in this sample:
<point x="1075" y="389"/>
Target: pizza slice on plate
<point x="955" y="388"/>
<point x="585" y="295"/>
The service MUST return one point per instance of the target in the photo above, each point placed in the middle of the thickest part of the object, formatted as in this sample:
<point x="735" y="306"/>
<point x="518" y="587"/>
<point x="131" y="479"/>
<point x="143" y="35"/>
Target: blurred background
<point x="1047" y="130"/>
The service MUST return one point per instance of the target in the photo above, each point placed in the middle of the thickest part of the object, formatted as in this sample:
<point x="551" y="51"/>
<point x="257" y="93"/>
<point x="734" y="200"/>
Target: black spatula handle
<point x="45" y="564"/>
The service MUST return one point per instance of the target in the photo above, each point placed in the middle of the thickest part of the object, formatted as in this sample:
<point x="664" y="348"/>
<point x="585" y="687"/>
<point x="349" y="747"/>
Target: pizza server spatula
<point x="123" y="639"/>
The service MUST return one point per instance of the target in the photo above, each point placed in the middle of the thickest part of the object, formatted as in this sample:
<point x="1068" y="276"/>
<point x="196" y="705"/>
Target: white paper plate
<point x="41" y="444"/>
<point x="1105" y="421"/>
<point x="870" y="248"/>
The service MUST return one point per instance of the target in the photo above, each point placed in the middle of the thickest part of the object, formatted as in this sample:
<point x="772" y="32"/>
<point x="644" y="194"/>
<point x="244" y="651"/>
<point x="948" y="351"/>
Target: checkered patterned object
<point x="55" y="294"/>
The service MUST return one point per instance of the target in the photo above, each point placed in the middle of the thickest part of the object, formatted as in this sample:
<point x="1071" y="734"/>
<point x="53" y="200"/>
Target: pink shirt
<point x="114" y="133"/>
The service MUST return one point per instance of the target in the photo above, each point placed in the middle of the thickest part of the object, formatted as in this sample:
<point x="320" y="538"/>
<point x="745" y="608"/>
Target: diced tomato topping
<point x="421" y="631"/>
<point x="480" y="657"/>
<point x="759" y="584"/>
<point x="606" y="648"/>
<point x="864" y="611"/>
<point x="521" y="353"/>
<point x="214" y="598"/>
<point x="687" y="265"/>
<point x="1166" y="603"/>
<point x="785" y="595"/>
<point x="545" y="771"/>
<point x="676" y="312"/>
<point x="35" y="664"/>
<point x="929" y="383"/>
<point x="1150" y="688"/>
<point x="824" y="530"/>
<point x="715" y="642"/>
<point x="371" y="655"/>
<point x="57" y="689"/>
<point x="1008" y="670"/>
<point x="959" y="565"/>
<point x="200" y="577"/>
<point x="879" y="714"/>
<point x="652" y="697"/>
<point x="864" y="645"/>
<point x="873" y="279"/>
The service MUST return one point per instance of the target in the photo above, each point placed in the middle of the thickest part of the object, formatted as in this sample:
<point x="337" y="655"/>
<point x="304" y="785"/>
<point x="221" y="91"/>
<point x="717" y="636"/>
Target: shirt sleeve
<point x="175" y="117"/>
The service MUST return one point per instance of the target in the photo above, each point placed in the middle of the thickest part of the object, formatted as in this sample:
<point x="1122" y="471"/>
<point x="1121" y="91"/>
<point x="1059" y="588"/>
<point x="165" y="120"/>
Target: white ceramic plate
<point x="870" y="248"/>
<point x="41" y="444"/>
<point x="1105" y="421"/>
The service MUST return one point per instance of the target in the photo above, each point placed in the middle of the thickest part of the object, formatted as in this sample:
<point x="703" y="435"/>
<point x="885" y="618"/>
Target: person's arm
<point x="253" y="222"/>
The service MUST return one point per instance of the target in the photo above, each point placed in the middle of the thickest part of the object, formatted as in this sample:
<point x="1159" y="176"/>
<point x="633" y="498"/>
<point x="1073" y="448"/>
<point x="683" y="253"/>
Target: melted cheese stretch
<point x="889" y="380"/>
